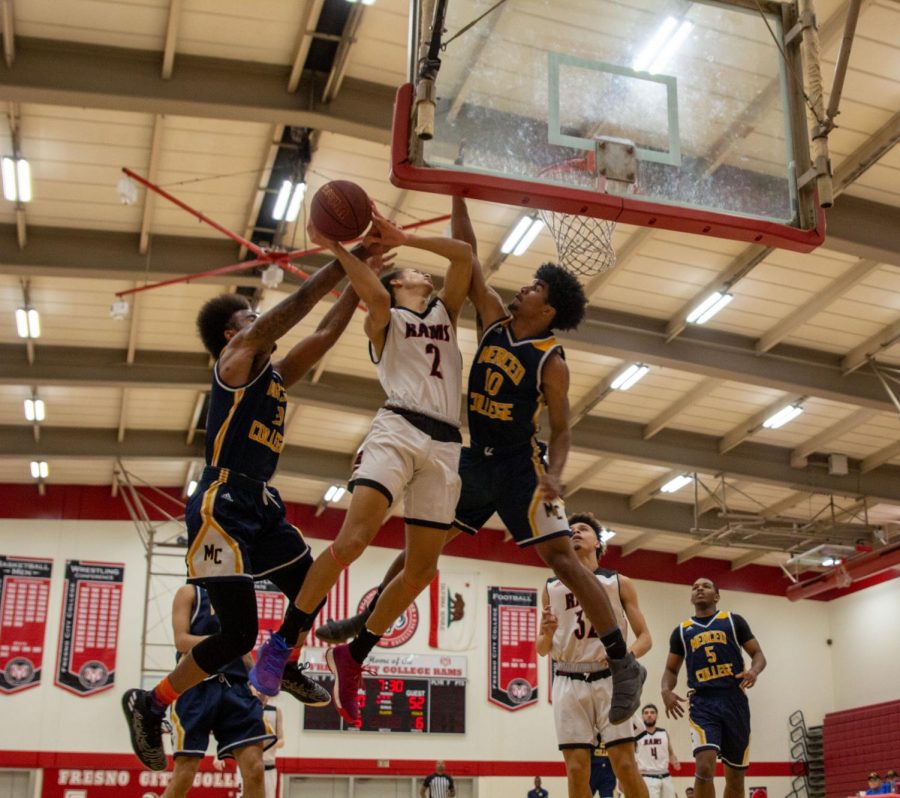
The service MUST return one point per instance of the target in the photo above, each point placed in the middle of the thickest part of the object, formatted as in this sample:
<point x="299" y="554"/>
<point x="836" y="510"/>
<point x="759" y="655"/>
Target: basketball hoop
<point x="583" y="243"/>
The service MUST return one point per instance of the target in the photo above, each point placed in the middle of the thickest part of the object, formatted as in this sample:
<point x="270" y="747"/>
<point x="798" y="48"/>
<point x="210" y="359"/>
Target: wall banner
<point x="24" y="593"/>
<point x="89" y="628"/>
<point x="120" y="783"/>
<point x="513" y="654"/>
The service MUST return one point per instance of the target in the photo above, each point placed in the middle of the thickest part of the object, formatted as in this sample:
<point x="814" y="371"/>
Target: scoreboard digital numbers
<point x="389" y="704"/>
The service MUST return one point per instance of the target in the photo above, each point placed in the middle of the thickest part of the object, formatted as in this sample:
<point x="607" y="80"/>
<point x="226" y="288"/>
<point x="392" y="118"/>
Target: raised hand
<point x="549" y="622"/>
<point x="673" y="702"/>
<point x="319" y="239"/>
<point x="384" y="232"/>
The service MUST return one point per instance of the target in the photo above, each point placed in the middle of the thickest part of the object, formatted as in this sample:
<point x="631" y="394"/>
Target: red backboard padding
<point x="857" y="742"/>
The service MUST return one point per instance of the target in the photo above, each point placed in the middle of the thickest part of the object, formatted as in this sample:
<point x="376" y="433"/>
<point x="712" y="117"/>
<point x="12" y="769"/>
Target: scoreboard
<point x="387" y="704"/>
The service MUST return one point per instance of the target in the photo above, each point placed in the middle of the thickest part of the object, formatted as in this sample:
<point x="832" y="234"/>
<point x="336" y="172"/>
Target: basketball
<point x="341" y="210"/>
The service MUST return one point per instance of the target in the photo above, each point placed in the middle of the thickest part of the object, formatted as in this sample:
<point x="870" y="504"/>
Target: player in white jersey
<point x="274" y="723"/>
<point x="582" y="688"/>
<point x="413" y="446"/>
<point x="655" y="755"/>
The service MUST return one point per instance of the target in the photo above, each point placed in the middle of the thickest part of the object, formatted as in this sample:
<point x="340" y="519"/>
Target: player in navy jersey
<point x="222" y="705"/>
<point x="519" y="369"/>
<point x="711" y="645"/>
<point x="411" y="450"/>
<point x="236" y="523"/>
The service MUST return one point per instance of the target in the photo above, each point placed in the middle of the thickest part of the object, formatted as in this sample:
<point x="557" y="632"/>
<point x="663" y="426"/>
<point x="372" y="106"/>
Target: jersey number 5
<point x="435" y="353"/>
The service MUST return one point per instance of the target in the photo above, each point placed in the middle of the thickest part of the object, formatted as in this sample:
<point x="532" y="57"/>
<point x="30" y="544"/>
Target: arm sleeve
<point x="676" y="646"/>
<point x="742" y="628"/>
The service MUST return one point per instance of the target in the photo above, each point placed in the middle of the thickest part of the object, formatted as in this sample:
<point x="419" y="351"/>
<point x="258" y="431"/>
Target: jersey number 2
<point x="435" y="353"/>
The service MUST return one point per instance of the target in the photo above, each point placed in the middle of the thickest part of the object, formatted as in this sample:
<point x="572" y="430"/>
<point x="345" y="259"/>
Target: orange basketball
<point x="341" y="210"/>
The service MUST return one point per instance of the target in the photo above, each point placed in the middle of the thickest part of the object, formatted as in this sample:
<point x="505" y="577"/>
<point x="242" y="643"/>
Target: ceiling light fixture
<point x="709" y="307"/>
<point x="783" y="416"/>
<point x="34" y="409"/>
<point x="334" y="494"/>
<point x="606" y="534"/>
<point x="522" y="236"/>
<point x="627" y="378"/>
<point x="677" y="483"/>
<point x="28" y="322"/>
<point x="16" y="179"/>
<point x="39" y="469"/>
<point x="290" y="198"/>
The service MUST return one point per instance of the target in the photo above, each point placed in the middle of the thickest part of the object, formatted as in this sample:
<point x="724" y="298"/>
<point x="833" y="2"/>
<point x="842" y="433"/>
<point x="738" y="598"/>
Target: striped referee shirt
<point x="438" y="785"/>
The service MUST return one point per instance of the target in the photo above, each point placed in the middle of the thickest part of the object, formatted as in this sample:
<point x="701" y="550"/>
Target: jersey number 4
<point x="435" y="353"/>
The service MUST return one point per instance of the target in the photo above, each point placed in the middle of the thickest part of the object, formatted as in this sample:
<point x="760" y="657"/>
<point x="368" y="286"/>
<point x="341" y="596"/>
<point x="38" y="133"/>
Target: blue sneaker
<point x="271" y="657"/>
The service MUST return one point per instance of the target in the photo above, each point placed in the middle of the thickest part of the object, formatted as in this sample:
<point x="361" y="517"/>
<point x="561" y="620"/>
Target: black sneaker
<point x="145" y="726"/>
<point x="337" y="632"/>
<point x="628" y="676"/>
<point x="304" y="689"/>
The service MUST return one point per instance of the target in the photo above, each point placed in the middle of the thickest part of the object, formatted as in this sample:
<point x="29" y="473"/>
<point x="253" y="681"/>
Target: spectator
<point x="877" y="786"/>
<point x="890" y="778"/>
<point x="439" y="784"/>
<point x="538" y="791"/>
<point x="689" y="792"/>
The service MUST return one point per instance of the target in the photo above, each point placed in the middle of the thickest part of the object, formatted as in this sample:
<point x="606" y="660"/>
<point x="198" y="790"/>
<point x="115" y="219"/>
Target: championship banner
<point x="120" y="783"/>
<point x="513" y="635"/>
<point x="89" y="628"/>
<point x="270" y="606"/>
<point x="24" y="593"/>
<point x="452" y="614"/>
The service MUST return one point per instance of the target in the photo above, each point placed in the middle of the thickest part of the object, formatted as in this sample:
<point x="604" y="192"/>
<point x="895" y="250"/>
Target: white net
<point x="583" y="243"/>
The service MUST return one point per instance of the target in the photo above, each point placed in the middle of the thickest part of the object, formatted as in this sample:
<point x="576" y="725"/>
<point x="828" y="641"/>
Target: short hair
<point x="715" y="586"/>
<point x="386" y="278"/>
<point x="564" y="294"/>
<point x="591" y="520"/>
<point x="215" y="317"/>
<point x="650" y="706"/>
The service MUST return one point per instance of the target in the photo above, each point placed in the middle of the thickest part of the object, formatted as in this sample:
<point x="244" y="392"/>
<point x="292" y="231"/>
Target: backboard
<point x="705" y="97"/>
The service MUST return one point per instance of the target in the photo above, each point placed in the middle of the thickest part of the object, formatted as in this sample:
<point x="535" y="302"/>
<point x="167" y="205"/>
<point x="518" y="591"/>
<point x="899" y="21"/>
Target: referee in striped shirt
<point x="439" y="784"/>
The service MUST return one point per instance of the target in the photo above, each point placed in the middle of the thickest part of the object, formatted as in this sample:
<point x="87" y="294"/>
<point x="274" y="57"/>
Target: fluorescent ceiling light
<point x="671" y="47"/>
<point x="28" y="323"/>
<point x="34" y="409"/>
<point x="676" y="483"/>
<point x="522" y="236"/>
<point x="709" y="307"/>
<point x="654" y="46"/>
<point x="290" y="198"/>
<point x="192" y="486"/>
<point x="16" y="179"/>
<point x="782" y="417"/>
<point x="829" y="561"/>
<point x="334" y="493"/>
<point x="39" y="469"/>
<point x="606" y="534"/>
<point x="626" y="379"/>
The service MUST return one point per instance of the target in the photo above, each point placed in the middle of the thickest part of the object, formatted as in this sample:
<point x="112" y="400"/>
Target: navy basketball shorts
<point x="239" y="533"/>
<point x="603" y="780"/>
<point x="507" y="484"/>
<point x="720" y="719"/>
<point x="221" y="707"/>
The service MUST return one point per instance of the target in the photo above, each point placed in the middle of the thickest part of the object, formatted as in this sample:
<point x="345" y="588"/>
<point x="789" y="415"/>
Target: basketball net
<point x="583" y="244"/>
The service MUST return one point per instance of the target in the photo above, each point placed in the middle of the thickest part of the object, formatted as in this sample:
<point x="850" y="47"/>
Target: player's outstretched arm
<point x="673" y="702"/>
<point x="555" y="384"/>
<point x="305" y="354"/>
<point x="643" y="642"/>
<point x="486" y="301"/>
<point x="549" y="622"/>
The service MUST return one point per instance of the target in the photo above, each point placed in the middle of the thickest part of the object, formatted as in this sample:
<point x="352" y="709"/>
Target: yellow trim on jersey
<point x="217" y="444"/>
<point x="177" y="729"/>
<point x="722" y="616"/>
<point x="687" y="624"/>
<point x="209" y="521"/>
<point x="537" y="498"/>
<point x="701" y="735"/>
<point x="545" y="345"/>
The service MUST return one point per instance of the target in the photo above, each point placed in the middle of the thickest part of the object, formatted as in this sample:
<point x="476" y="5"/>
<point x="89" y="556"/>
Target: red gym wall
<point x="858" y="741"/>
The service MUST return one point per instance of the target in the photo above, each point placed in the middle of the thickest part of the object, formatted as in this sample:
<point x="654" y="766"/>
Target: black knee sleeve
<point x="235" y="606"/>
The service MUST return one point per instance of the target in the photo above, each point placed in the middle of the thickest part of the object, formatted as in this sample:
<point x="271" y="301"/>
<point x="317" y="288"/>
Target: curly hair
<point x="564" y="294"/>
<point x="215" y="317"/>
<point x="593" y="523"/>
